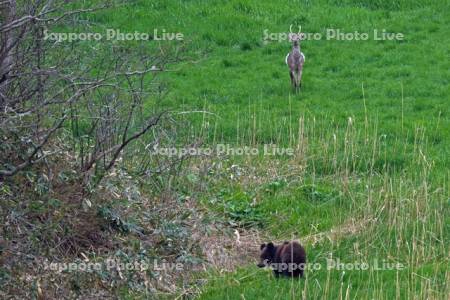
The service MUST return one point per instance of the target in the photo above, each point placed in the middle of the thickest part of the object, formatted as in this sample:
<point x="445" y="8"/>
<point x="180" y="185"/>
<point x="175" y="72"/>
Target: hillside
<point x="355" y="165"/>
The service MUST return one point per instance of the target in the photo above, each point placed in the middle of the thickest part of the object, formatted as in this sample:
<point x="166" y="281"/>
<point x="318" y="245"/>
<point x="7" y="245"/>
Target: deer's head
<point x="295" y="38"/>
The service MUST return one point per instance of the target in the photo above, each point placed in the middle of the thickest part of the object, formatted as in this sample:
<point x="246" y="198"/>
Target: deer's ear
<point x="262" y="246"/>
<point x="301" y="36"/>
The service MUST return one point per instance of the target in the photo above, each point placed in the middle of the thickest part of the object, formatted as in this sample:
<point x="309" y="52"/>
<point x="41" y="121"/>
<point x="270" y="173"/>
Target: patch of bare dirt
<point x="227" y="252"/>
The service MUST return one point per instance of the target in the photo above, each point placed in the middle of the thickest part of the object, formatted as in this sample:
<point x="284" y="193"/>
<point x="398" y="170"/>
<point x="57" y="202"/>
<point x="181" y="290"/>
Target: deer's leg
<point x="300" y="77"/>
<point x="293" y="83"/>
<point x="296" y="81"/>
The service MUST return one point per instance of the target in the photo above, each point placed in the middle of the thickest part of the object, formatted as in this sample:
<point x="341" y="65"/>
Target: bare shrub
<point x="94" y="92"/>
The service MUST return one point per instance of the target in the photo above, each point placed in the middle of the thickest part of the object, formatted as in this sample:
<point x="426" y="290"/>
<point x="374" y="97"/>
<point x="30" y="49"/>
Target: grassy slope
<point x="233" y="74"/>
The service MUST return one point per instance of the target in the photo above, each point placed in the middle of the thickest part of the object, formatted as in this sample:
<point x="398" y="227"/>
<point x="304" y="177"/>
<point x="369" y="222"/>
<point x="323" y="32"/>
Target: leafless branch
<point x="31" y="159"/>
<point x="43" y="83"/>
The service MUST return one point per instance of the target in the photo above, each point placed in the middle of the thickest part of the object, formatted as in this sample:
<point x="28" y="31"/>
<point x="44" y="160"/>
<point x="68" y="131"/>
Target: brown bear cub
<point x="288" y="259"/>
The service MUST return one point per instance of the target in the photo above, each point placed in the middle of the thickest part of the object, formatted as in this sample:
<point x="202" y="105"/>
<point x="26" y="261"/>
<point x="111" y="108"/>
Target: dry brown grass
<point x="350" y="227"/>
<point x="227" y="252"/>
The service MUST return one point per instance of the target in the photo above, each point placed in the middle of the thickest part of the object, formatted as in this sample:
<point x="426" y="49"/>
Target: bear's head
<point x="267" y="254"/>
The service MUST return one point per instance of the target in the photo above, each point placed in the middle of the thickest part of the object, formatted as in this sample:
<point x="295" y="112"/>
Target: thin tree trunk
<point x="8" y="14"/>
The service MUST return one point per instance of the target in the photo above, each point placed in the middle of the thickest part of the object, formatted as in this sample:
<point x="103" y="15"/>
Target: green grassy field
<point x="370" y="129"/>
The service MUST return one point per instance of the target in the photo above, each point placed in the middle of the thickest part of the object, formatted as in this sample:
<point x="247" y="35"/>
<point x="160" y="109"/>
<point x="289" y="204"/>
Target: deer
<point x="295" y="59"/>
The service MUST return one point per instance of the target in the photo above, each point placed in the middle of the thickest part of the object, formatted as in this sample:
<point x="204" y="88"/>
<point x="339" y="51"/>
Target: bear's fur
<point x="288" y="259"/>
